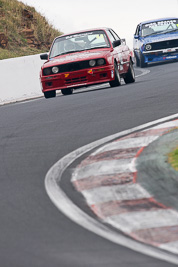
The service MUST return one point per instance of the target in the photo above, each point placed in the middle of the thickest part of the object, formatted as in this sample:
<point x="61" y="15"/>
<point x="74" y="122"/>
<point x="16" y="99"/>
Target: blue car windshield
<point x="79" y="42"/>
<point x="159" y="27"/>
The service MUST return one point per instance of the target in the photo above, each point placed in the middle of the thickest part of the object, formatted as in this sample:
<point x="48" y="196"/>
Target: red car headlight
<point x="55" y="70"/>
<point x="47" y="71"/>
<point x="100" y="61"/>
<point x="92" y="62"/>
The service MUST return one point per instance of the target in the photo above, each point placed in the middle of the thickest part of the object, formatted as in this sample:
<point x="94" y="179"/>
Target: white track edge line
<point x="65" y="205"/>
<point x="144" y="72"/>
<point x="34" y="98"/>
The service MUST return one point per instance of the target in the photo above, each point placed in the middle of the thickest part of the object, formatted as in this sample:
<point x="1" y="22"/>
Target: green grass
<point x="12" y="23"/>
<point x="173" y="159"/>
<point x="5" y="53"/>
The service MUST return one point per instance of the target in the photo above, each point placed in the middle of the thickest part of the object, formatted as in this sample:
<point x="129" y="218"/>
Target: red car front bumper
<point x="77" y="78"/>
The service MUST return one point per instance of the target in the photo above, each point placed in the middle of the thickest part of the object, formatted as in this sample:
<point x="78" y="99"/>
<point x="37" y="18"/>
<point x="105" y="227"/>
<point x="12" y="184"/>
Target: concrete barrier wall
<point x="19" y="78"/>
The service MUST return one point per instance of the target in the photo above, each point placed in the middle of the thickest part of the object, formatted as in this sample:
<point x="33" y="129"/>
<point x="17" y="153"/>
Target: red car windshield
<point x="79" y="42"/>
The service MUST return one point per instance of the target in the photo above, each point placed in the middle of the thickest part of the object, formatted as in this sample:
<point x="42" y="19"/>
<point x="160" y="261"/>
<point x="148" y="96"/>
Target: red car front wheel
<point x="49" y="94"/>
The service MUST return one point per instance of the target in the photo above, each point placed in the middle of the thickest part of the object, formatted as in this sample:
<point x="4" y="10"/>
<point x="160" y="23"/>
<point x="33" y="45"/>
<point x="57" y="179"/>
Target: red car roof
<point x="87" y="30"/>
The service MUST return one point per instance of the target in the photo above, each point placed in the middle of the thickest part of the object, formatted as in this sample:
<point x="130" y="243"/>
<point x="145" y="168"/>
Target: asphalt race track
<point x="36" y="134"/>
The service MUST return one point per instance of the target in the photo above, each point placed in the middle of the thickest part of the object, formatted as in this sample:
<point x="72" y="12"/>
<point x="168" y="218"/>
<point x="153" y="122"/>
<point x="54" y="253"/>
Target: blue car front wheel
<point x="137" y="60"/>
<point x="142" y="61"/>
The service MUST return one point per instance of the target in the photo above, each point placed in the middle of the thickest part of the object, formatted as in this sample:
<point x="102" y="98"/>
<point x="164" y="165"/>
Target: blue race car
<point x="156" y="41"/>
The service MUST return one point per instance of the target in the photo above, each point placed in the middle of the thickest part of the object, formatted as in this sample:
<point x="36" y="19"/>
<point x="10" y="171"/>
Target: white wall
<point x="19" y="78"/>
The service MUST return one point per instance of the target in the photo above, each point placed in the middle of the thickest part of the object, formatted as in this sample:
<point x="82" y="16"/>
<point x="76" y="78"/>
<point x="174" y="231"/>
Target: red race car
<point x="86" y="58"/>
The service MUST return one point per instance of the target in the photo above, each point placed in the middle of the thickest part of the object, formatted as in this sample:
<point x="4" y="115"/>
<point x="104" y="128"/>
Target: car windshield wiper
<point x="175" y="30"/>
<point x="97" y="47"/>
<point x="154" y="33"/>
<point x="69" y="52"/>
<point x="162" y="32"/>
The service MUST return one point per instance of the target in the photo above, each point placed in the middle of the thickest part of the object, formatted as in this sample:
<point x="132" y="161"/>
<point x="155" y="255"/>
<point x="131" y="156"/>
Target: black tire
<point x="117" y="80"/>
<point x="137" y="60"/>
<point x="67" y="91"/>
<point x="142" y="61"/>
<point x="50" y="94"/>
<point x="130" y="76"/>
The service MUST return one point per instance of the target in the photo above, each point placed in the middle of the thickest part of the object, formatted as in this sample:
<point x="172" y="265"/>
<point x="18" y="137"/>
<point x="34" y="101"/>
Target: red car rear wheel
<point x="117" y="80"/>
<point x="130" y="76"/>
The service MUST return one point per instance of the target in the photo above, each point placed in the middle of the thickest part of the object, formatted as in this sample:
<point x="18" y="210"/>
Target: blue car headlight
<point x="148" y="47"/>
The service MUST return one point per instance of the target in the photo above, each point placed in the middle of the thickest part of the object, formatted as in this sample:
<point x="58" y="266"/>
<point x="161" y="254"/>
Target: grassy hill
<point x="23" y="31"/>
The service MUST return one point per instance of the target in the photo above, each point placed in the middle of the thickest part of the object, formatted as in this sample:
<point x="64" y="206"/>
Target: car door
<point x="125" y="51"/>
<point x="136" y="40"/>
<point x="117" y="53"/>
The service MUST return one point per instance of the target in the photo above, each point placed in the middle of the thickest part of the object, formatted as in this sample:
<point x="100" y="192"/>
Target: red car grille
<point x="76" y="80"/>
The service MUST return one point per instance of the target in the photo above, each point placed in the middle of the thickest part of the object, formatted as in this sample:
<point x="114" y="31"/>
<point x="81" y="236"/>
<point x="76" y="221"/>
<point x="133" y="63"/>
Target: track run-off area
<point x="51" y="138"/>
<point x="107" y="180"/>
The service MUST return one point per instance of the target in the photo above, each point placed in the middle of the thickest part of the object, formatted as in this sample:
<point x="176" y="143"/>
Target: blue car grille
<point x="164" y="44"/>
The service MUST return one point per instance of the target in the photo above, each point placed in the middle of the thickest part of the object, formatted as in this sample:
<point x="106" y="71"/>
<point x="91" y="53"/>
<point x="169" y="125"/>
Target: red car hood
<point x="79" y="56"/>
